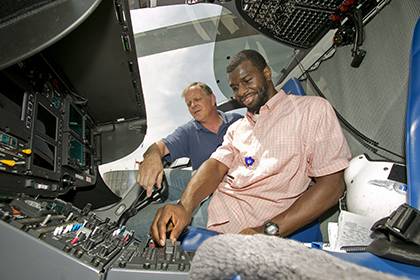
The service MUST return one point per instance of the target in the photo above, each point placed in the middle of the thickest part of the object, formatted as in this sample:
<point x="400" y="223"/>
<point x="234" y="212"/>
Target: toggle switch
<point x="69" y="217"/>
<point x="78" y="253"/>
<point x="27" y="151"/>
<point x="8" y="162"/>
<point x="45" y="221"/>
<point x="74" y="240"/>
<point x="11" y="163"/>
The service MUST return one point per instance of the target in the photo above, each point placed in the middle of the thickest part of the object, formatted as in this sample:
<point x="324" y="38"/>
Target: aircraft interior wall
<point x="373" y="97"/>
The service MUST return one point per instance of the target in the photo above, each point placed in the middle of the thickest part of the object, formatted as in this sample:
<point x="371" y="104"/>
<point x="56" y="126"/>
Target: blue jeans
<point x="177" y="180"/>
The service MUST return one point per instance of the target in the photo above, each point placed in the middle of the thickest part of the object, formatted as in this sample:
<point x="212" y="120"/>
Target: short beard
<point x="262" y="99"/>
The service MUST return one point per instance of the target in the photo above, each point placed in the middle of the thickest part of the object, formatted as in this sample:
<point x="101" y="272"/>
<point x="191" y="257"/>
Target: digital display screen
<point x="76" y="121"/>
<point x="43" y="154"/>
<point x="46" y="122"/>
<point x="11" y="97"/>
<point x="77" y="152"/>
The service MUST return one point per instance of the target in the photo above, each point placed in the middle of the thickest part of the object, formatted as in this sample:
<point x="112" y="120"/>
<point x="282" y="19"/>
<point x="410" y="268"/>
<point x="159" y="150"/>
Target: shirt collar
<point x="272" y="103"/>
<point x="199" y="126"/>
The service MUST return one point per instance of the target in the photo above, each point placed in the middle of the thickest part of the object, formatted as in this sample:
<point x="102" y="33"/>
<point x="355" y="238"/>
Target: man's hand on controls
<point x="150" y="174"/>
<point x="172" y="217"/>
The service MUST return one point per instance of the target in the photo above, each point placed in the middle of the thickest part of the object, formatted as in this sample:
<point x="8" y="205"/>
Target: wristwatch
<point x="271" y="228"/>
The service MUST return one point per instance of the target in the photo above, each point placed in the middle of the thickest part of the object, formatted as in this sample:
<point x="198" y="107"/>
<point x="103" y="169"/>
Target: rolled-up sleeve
<point x="177" y="143"/>
<point x="329" y="151"/>
<point x="226" y="152"/>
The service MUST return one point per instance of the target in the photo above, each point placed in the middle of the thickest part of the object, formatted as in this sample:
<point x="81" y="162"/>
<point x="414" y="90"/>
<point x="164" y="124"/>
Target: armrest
<point x="192" y="238"/>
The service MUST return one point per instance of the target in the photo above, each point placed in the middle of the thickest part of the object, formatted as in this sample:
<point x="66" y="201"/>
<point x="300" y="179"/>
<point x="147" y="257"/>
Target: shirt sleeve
<point x="226" y="152"/>
<point x="178" y="143"/>
<point x="235" y="117"/>
<point x="328" y="148"/>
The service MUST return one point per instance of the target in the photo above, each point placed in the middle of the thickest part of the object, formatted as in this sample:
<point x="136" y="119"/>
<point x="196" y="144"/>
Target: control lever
<point x="142" y="201"/>
<point x="351" y="33"/>
<point x="357" y="53"/>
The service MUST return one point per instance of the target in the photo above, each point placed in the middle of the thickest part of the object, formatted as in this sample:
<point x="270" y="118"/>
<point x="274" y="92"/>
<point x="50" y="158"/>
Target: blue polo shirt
<point x="196" y="142"/>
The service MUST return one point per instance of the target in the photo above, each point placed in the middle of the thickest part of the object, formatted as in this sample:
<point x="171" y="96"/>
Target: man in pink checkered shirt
<point x="266" y="164"/>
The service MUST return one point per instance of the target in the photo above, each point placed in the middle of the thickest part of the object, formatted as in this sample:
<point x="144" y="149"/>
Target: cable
<point x="328" y="54"/>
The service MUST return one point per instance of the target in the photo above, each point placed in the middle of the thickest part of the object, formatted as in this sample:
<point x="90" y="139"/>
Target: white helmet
<point x="370" y="190"/>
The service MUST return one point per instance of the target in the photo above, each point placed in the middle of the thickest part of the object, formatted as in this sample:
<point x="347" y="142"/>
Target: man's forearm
<point x="151" y="168"/>
<point x="203" y="183"/>
<point x="156" y="151"/>
<point x="153" y="151"/>
<point x="320" y="197"/>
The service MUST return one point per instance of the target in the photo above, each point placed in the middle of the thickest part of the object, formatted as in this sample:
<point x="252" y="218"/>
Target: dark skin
<point x="252" y="87"/>
<point x="323" y="195"/>
<point x="178" y="216"/>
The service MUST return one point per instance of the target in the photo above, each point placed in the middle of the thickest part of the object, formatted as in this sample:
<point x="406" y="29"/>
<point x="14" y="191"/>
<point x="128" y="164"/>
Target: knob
<point x="122" y="264"/>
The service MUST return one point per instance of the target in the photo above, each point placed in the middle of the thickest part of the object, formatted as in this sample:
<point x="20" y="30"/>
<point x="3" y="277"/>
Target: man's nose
<point x="242" y="91"/>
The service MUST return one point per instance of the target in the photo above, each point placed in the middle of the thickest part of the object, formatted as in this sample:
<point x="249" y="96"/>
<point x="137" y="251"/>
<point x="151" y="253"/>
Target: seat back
<point x="412" y="122"/>
<point x="293" y="86"/>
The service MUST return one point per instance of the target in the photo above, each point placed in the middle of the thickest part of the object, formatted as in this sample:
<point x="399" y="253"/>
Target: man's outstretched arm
<point x="178" y="216"/>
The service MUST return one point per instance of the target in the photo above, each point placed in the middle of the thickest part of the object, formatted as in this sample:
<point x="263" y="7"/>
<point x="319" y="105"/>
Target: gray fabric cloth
<point x="266" y="257"/>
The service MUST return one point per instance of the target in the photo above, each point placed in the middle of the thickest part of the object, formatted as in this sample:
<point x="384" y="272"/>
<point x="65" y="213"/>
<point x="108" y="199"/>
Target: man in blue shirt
<point x="197" y="140"/>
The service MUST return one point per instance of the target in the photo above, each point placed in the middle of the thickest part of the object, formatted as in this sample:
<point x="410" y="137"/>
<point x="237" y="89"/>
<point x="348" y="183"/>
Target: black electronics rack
<point x="298" y="23"/>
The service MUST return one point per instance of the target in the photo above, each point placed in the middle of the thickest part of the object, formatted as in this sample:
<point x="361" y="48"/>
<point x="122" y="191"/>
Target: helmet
<point x="370" y="191"/>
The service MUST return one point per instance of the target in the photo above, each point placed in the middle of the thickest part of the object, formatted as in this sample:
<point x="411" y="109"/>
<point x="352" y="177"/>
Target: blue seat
<point x="192" y="238"/>
<point x="293" y="86"/>
<point x="412" y="133"/>
<point x="412" y="163"/>
<point x="380" y="264"/>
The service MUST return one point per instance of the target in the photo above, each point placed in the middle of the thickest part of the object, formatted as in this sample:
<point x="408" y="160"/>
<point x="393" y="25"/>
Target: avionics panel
<point x="46" y="143"/>
<point x="16" y="113"/>
<point x="43" y="142"/>
<point x="76" y="121"/>
<point x="78" y="244"/>
<point x="77" y="137"/>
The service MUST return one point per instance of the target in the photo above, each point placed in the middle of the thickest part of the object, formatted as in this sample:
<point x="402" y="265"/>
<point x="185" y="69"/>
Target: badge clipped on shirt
<point x="249" y="161"/>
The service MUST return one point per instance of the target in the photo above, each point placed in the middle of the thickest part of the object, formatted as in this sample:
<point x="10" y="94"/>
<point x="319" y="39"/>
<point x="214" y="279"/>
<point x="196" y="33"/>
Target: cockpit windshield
<point x="180" y="44"/>
<point x="200" y="38"/>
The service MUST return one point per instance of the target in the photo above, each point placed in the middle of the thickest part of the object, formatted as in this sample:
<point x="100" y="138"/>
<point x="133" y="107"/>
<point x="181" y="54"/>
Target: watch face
<point x="271" y="228"/>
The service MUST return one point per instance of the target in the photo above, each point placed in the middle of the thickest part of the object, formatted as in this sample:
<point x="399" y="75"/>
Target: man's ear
<point x="213" y="98"/>
<point x="267" y="73"/>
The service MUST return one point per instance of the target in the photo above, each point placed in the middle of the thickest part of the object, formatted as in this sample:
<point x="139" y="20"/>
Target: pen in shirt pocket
<point x="229" y="179"/>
